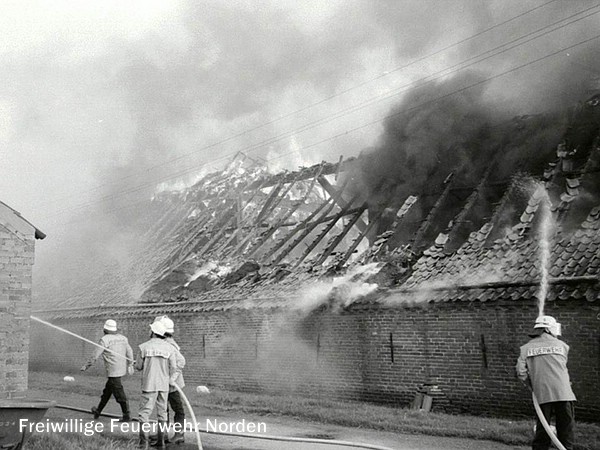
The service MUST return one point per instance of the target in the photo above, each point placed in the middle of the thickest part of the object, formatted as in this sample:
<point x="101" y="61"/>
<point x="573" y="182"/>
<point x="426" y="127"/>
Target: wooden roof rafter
<point x="338" y="239"/>
<point x="426" y="223"/>
<point x="297" y="228"/>
<point x="336" y="195"/>
<point x="272" y="202"/>
<point x="325" y="231"/>
<point x="271" y="230"/>
<point x="307" y="226"/>
<point x="240" y="226"/>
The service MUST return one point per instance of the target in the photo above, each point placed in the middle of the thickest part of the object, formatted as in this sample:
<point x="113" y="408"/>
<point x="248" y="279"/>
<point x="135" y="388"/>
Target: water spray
<point x="37" y="319"/>
<point x="545" y="234"/>
<point x="185" y="399"/>
<point x="546" y="226"/>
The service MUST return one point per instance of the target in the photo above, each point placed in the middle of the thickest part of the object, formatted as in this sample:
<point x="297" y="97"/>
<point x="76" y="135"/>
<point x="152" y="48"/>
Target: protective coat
<point x="156" y="358"/>
<point x="116" y="366"/>
<point x="543" y="363"/>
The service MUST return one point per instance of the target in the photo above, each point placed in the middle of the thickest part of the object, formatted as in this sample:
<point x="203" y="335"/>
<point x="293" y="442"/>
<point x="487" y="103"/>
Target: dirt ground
<point x="275" y="426"/>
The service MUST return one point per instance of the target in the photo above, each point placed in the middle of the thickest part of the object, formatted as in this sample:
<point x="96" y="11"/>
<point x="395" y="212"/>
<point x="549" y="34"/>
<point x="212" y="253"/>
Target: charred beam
<point x="236" y="232"/>
<point x="309" y="227"/>
<point x="336" y="195"/>
<point x="299" y="227"/>
<point x="420" y="234"/>
<point x="336" y="241"/>
<point x="324" y="219"/>
<point x="268" y="233"/>
<point x="275" y="201"/>
<point x="359" y="239"/>
<point x="461" y="217"/>
<point x="270" y="199"/>
<point x="307" y="173"/>
<point x="326" y="230"/>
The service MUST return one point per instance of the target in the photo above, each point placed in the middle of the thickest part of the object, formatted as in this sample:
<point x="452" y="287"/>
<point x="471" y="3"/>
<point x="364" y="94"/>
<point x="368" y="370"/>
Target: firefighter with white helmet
<point x="174" y="398"/>
<point x="156" y="359"/>
<point x="116" y="367"/>
<point x="542" y="365"/>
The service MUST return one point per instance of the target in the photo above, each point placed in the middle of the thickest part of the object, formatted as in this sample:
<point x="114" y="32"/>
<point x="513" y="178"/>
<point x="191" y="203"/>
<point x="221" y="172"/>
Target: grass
<point x="344" y="413"/>
<point x="375" y="417"/>
<point x="55" y="441"/>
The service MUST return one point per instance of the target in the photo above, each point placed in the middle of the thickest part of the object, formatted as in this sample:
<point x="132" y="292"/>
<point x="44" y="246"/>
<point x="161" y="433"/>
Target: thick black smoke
<point x="107" y="97"/>
<point x="452" y="129"/>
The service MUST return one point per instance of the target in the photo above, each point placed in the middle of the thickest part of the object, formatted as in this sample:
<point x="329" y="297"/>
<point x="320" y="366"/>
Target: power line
<point x="426" y="80"/>
<point x="408" y="110"/>
<point x="514" y="69"/>
<point x="415" y="84"/>
<point x="320" y="102"/>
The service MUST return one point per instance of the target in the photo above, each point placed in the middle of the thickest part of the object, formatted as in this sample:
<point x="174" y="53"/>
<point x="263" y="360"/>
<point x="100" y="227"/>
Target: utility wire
<point x="320" y="102"/>
<point x="429" y="78"/>
<point x="408" y="110"/>
<point x="423" y="81"/>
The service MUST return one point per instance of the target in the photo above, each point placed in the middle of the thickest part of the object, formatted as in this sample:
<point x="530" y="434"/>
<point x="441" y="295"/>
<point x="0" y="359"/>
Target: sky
<point x="104" y="103"/>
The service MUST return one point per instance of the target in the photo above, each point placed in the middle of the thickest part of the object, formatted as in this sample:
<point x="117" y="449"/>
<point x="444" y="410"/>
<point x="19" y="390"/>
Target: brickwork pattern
<point x="16" y="261"/>
<point x="466" y="350"/>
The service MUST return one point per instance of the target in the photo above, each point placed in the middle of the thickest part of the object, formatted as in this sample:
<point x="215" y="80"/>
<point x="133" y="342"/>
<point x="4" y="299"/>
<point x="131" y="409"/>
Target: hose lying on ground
<point x="545" y="423"/>
<point x="254" y="436"/>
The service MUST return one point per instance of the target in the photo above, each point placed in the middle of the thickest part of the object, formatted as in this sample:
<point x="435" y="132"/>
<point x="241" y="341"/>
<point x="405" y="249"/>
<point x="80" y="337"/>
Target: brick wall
<point x="16" y="261"/>
<point x="378" y="354"/>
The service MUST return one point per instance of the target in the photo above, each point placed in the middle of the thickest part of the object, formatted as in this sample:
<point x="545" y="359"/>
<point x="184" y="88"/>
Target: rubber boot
<point x="160" y="436"/>
<point x="125" y="410"/>
<point x="178" y="438"/>
<point x="143" y="442"/>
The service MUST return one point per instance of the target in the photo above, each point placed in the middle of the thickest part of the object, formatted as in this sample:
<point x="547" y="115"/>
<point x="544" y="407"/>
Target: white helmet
<point x="168" y="323"/>
<point x="549" y="323"/>
<point x="110" y="325"/>
<point x="157" y="327"/>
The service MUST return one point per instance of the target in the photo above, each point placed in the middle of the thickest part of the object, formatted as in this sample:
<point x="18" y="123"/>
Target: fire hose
<point x="189" y="407"/>
<point x="187" y="403"/>
<point x="252" y="436"/>
<point x="545" y="423"/>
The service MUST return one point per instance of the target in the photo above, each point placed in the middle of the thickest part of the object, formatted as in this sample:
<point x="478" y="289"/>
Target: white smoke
<point x="340" y="291"/>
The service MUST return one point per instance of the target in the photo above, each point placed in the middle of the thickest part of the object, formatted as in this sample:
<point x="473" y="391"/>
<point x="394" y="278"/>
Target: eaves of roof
<point x="37" y="233"/>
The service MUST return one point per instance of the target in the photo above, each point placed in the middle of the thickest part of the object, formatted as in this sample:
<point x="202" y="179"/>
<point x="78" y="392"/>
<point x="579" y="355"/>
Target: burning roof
<point x="243" y="236"/>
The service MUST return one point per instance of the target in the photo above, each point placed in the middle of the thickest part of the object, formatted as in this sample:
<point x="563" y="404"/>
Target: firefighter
<point x="116" y="367"/>
<point x="174" y="398"/>
<point x="156" y="359"/>
<point x="542" y="365"/>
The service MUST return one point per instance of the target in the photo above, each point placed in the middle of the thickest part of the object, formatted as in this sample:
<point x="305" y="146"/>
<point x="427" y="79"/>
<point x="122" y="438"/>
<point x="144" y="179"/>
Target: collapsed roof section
<point x="244" y="222"/>
<point x="244" y="229"/>
<point x="243" y="236"/>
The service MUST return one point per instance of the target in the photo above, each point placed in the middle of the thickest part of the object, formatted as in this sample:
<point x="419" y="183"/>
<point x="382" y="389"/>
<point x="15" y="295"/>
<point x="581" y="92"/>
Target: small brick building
<point x="17" y="243"/>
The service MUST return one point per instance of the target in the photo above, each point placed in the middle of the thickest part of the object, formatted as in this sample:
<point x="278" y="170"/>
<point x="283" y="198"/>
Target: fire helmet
<point x="158" y="328"/>
<point x="168" y="323"/>
<point x="110" y="325"/>
<point x="549" y="323"/>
